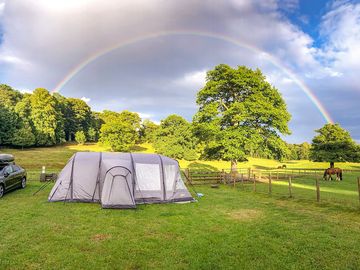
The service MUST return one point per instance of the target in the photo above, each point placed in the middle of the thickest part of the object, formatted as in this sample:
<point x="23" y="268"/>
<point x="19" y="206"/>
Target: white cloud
<point x="25" y="90"/>
<point x="10" y="59"/>
<point x="2" y="7"/>
<point x="145" y="115"/>
<point x="341" y="30"/>
<point x="87" y="100"/>
<point x="194" y="79"/>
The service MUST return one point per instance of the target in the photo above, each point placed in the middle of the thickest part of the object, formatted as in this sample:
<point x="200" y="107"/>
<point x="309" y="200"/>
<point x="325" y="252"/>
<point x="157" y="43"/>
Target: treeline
<point x="44" y="119"/>
<point x="239" y="115"/>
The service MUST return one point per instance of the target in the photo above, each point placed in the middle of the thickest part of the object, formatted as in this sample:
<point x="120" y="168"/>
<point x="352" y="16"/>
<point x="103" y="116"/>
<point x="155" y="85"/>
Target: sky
<point x="151" y="56"/>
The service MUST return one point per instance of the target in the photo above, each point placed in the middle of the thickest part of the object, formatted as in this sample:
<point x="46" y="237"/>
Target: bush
<point x="23" y="138"/>
<point x="80" y="137"/>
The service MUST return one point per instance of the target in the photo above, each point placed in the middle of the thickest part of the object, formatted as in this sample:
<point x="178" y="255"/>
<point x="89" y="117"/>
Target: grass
<point x="229" y="228"/>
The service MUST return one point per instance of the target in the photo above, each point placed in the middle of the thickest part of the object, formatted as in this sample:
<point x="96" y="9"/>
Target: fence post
<point x="222" y="176"/>
<point x="254" y="182"/>
<point x="290" y="187"/>
<point x="187" y="174"/>
<point x="234" y="179"/>
<point x="277" y="175"/>
<point x="317" y="189"/>
<point x="242" y="180"/>
<point x="270" y="187"/>
<point x="249" y="174"/>
<point x="358" y="180"/>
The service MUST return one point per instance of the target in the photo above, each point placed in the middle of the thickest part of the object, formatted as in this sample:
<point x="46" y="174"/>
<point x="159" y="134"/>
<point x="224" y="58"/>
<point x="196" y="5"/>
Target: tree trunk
<point x="234" y="165"/>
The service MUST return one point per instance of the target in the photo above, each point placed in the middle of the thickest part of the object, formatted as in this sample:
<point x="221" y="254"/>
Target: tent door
<point x="117" y="192"/>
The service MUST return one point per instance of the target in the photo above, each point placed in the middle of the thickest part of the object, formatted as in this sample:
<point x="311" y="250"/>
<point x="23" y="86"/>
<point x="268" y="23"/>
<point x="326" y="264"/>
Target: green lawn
<point x="229" y="228"/>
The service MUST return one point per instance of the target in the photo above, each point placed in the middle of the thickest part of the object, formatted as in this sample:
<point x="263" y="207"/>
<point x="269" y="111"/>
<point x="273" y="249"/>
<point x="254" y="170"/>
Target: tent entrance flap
<point x="117" y="189"/>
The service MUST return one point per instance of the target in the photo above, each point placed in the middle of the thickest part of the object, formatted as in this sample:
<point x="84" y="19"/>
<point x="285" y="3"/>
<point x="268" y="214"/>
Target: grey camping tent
<point x="120" y="180"/>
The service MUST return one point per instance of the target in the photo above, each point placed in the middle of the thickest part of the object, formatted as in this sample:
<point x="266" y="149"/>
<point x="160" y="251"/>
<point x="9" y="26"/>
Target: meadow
<point x="228" y="228"/>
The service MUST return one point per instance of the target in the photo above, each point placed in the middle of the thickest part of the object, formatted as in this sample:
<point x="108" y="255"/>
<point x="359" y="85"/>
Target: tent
<point x="120" y="180"/>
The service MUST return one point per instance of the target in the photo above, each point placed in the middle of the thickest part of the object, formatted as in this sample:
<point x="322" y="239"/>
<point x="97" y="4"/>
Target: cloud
<point x="44" y="40"/>
<point x="2" y="7"/>
<point x="24" y="90"/>
<point x="87" y="100"/>
<point x="340" y="29"/>
<point x="194" y="79"/>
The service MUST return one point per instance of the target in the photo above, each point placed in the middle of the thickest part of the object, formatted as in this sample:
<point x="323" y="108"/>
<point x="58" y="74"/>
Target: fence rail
<point x="265" y="180"/>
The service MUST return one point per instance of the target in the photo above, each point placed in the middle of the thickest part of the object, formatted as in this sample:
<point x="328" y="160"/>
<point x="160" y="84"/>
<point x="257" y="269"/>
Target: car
<point x="12" y="176"/>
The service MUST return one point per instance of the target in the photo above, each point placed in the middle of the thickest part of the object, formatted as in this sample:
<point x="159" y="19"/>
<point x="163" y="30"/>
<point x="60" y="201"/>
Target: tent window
<point x="170" y="174"/>
<point x="148" y="176"/>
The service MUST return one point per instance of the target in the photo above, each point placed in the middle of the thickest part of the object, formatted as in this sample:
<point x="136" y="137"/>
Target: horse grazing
<point x="330" y="171"/>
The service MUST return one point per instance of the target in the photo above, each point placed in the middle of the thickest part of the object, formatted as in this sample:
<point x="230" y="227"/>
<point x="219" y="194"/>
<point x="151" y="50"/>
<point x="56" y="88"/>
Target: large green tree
<point x="120" y="131"/>
<point x="23" y="137"/>
<point x="8" y="124"/>
<point x="47" y="120"/>
<point x="8" y="96"/>
<point x="9" y="120"/>
<point x="334" y="144"/>
<point x="240" y="114"/>
<point x="81" y="115"/>
<point x="174" y="138"/>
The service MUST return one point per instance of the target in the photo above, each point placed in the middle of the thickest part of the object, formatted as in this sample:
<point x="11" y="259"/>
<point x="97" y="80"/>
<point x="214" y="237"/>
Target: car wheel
<point x="23" y="182"/>
<point x="1" y="191"/>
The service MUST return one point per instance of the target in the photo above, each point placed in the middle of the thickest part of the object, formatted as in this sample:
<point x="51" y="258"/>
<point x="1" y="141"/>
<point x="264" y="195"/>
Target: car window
<point x="8" y="169"/>
<point x="15" y="168"/>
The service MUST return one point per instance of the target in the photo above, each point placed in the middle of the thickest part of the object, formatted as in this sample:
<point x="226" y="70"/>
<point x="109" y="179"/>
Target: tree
<point x="299" y="151"/>
<point x="9" y="121"/>
<point x="8" y="124"/>
<point x="23" y="110"/>
<point x="80" y="137"/>
<point x="23" y="137"/>
<point x="81" y="113"/>
<point x="92" y="135"/>
<point x="8" y="96"/>
<point x="334" y="144"/>
<point x="175" y="139"/>
<point x="148" y="131"/>
<point x="240" y="114"/>
<point x="120" y="130"/>
<point x="304" y="151"/>
<point x="47" y="120"/>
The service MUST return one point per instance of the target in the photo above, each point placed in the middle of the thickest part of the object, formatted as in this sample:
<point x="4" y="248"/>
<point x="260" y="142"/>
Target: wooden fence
<point x="255" y="177"/>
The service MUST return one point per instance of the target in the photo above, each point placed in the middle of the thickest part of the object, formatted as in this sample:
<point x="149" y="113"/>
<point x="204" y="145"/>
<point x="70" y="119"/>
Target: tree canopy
<point x="120" y="130"/>
<point x="240" y="114"/>
<point x="174" y="138"/>
<point x="334" y="144"/>
<point x="148" y="131"/>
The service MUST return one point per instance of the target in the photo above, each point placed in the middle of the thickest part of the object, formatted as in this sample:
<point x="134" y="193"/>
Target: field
<point x="229" y="228"/>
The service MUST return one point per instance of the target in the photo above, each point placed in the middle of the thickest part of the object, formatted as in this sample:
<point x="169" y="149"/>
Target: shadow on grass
<point x="138" y="148"/>
<point x="202" y="167"/>
<point x="259" y="167"/>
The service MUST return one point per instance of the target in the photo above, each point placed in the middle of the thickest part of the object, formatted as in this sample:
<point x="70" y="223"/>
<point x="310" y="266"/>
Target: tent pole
<point x="98" y="179"/>
<point x="162" y="177"/>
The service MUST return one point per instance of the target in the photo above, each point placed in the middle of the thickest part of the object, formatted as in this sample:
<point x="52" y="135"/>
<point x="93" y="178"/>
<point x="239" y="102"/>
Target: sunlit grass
<point x="229" y="228"/>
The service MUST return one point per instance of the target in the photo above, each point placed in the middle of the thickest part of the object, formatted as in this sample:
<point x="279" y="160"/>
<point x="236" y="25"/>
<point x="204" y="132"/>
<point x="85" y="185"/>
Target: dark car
<point x="11" y="176"/>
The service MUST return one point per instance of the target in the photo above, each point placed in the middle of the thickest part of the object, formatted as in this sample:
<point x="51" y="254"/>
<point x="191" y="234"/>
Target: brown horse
<point x="330" y="171"/>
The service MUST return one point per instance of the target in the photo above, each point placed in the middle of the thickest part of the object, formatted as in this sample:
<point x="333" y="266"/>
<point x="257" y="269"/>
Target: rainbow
<point x="302" y="85"/>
